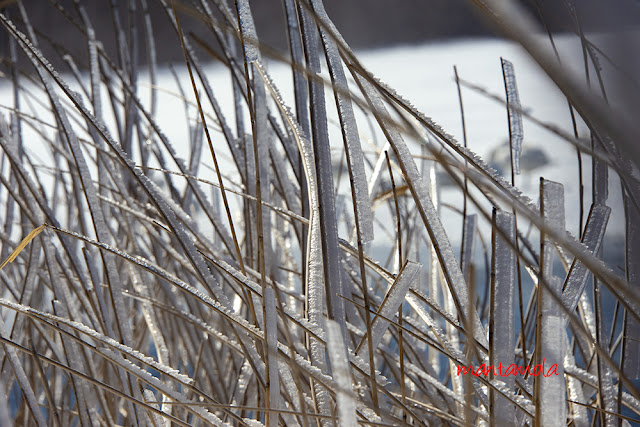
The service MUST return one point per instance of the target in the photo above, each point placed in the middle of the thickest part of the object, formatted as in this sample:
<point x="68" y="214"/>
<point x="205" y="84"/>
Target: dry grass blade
<point x="365" y="266"/>
<point x="23" y="244"/>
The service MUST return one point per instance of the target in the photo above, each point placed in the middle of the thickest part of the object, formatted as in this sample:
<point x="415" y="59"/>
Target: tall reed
<point x="247" y="274"/>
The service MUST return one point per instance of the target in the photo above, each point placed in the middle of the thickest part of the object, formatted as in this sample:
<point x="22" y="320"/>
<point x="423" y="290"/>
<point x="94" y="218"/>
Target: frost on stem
<point x="501" y="322"/>
<point x="516" y="132"/>
<point x="342" y="375"/>
<point x="579" y="274"/>
<point x="550" y="392"/>
<point x="355" y="157"/>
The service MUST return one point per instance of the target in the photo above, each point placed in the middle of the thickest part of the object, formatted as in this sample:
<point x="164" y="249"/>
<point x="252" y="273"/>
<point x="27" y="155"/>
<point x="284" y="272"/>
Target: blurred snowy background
<point x="412" y="46"/>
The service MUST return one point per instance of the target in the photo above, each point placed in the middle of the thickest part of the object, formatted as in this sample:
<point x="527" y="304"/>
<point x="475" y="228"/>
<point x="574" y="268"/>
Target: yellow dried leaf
<point x="22" y="245"/>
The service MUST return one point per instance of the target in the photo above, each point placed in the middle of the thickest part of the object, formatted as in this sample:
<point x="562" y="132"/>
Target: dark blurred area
<point x="363" y="23"/>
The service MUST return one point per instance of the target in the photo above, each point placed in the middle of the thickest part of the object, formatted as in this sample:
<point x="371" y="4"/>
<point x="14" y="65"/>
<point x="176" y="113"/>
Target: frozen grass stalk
<point x="127" y="297"/>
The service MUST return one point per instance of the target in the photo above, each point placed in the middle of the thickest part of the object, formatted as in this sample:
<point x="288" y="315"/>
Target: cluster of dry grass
<point x="136" y="292"/>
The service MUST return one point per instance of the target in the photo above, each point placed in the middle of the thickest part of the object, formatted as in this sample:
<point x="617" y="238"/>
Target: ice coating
<point x="292" y="388"/>
<point x="324" y="172"/>
<point x="179" y="231"/>
<point x="41" y="210"/>
<point x="349" y="128"/>
<point x="501" y="320"/>
<point x="600" y="179"/>
<point x="550" y="391"/>
<point x="102" y="338"/>
<point x="631" y="366"/>
<point x="37" y="204"/>
<point x="157" y="419"/>
<point x="592" y="238"/>
<point x="271" y="332"/>
<point x="552" y="210"/>
<point x="516" y="133"/>
<point x="262" y="137"/>
<point x="551" y="398"/>
<point x="297" y="53"/>
<point x="176" y="375"/>
<point x="470" y="227"/>
<point x="575" y="392"/>
<point x="94" y="73"/>
<point x="435" y="306"/>
<point x="313" y="281"/>
<point x="468" y="155"/>
<point x="341" y="375"/>
<point x="211" y="210"/>
<point x="378" y="169"/>
<point x="169" y="215"/>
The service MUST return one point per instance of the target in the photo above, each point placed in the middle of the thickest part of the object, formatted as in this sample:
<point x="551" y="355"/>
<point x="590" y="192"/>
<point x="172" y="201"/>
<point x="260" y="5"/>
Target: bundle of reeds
<point x="265" y="268"/>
